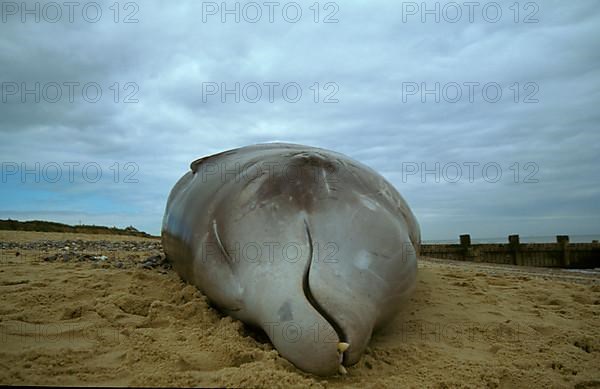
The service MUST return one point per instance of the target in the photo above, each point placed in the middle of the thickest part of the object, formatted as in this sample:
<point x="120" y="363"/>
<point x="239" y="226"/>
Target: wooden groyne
<point x="559" y="254"/>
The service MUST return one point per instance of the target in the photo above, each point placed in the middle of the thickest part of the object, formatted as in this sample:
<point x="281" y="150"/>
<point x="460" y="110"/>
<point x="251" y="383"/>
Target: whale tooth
<point x="342" y="370"/>
<point x="343" y="346"/>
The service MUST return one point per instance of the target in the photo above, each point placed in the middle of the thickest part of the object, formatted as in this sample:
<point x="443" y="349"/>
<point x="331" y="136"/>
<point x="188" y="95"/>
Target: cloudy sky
<point x="485" y="117"/>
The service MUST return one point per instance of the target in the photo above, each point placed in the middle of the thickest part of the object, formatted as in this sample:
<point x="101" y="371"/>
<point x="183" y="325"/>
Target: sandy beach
<point x="112" y="317"/>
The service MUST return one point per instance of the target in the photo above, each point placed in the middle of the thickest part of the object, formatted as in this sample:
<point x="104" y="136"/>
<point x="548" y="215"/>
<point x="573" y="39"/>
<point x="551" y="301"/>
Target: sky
<point x="484" y="115"/>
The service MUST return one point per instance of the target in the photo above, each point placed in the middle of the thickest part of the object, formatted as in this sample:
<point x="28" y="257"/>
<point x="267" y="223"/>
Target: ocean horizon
<point x="523" y="239"/>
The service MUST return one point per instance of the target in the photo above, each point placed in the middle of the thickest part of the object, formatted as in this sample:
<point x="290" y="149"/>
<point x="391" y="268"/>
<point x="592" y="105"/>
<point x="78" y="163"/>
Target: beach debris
<point x="146" y="254"/>
<point x="154" y="261"/>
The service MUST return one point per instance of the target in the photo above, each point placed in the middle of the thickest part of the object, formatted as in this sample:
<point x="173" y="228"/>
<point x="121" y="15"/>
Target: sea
<point x="522" y="239"/>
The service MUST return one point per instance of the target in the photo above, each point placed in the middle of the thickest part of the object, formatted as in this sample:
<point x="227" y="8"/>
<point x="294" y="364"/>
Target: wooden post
<point x="563" y="244"/>
<point x="465" y="242"/>
<point x="513" y="241"/>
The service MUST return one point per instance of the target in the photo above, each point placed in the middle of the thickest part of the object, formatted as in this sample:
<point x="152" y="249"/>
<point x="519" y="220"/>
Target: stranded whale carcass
<point x="313" y="247"/>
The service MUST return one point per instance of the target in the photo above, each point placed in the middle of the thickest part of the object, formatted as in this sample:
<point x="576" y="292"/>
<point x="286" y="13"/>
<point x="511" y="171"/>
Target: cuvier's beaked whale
<point x="313" y="247"/>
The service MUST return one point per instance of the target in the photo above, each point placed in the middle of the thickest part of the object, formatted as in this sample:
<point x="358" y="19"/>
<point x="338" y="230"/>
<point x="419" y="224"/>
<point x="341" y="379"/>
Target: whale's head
<point x="323" y="251"/>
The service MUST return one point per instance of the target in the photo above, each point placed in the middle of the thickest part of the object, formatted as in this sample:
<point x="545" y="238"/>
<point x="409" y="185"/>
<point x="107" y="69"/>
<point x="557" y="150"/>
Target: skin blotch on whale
<point x="285" y="312"/>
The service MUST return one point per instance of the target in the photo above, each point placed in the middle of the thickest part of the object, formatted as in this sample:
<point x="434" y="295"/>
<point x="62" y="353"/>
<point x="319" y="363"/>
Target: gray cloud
<point x="370" y="54"/>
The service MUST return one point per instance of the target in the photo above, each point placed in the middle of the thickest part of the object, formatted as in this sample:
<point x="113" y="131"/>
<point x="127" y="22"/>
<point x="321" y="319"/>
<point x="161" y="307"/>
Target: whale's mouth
<point x="341" y="334"/>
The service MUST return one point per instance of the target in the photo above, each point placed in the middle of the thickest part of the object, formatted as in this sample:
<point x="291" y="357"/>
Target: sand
<point x="468" y="325"/>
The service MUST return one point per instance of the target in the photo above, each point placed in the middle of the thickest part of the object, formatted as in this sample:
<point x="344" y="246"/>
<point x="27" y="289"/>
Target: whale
<point x="316" y="249"/>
